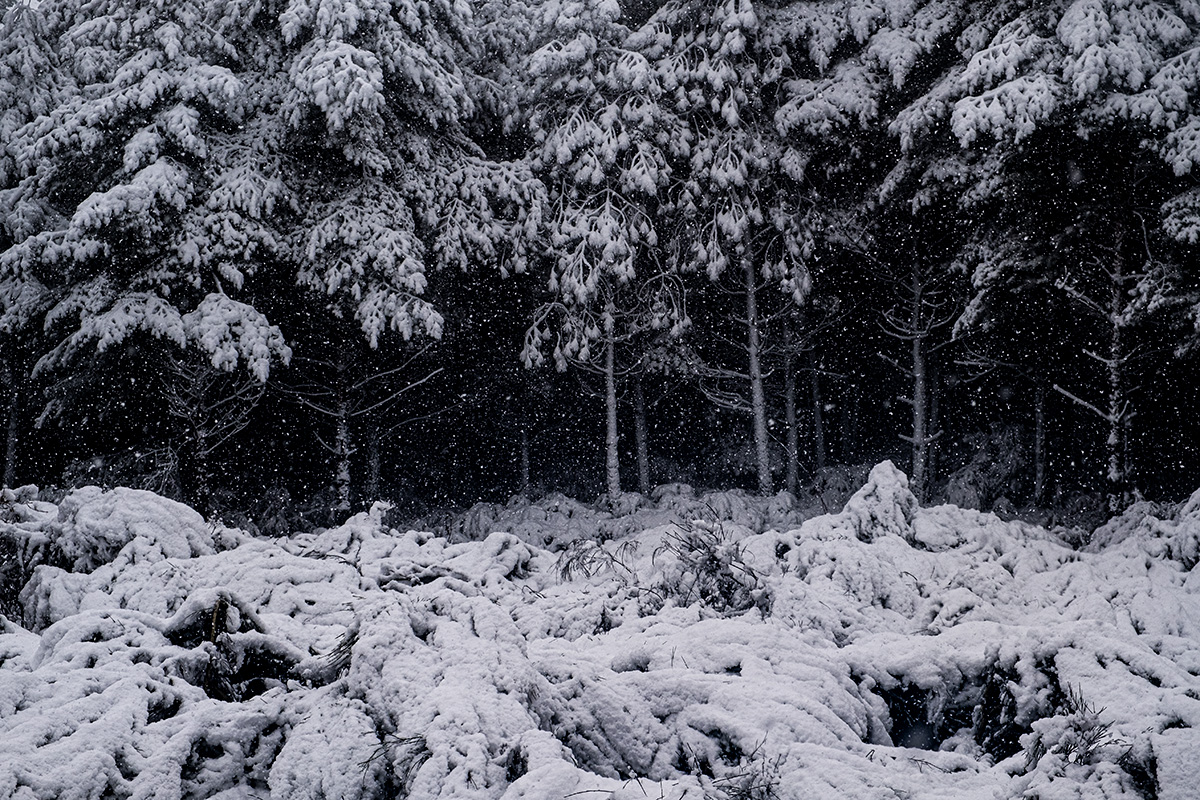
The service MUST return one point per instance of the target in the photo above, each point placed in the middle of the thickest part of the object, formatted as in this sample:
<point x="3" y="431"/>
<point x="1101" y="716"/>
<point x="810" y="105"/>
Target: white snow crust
<point x="676" y="646"/>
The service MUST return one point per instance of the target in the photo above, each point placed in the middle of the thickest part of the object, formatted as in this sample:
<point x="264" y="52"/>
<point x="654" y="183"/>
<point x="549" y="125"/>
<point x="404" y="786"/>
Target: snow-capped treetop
<point x="602" y="145"/>
<point x="184" y="147"/>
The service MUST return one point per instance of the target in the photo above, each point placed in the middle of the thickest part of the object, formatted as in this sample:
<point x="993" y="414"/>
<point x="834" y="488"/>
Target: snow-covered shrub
<point x="587" y="558"/>
<point x="704" y="563"/>
<point x="884" y="505"/>
<point x="1075" y="753"/>
<point x="22" y="545"/>
<point x="759" y="779"/>
<point x="1075" y="734"/>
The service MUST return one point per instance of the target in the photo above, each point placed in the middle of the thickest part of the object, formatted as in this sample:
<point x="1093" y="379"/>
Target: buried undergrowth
<point x="907" y="652"/>
<point x="1062" y="737"/>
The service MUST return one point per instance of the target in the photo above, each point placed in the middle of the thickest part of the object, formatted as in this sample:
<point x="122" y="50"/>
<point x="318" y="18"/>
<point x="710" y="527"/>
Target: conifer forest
<point x="287" y="257"/>
<point x="599" y="399"/>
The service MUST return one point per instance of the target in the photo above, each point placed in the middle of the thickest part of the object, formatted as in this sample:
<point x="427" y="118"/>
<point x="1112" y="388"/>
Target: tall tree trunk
<point x="343" y="442"/>
<point x="200" y="470"/>
<point x="342" y="450"/>
<point x="641" y="435"/>
<point x="758" y="400"/>
<point x="933" y="394"/>
<point x="1119" y="415"/>
<point x="920" y="411"/>
<point x="525" y="458"/>
<point x="789" y="400"/>
<point x="612" y="461"/>
<point x="1039" y="444"/>
<point x="818" y="414"/>
<point x="371" y="487"/>
<point x="11" y="430"/>
<point x="851" y="401"/>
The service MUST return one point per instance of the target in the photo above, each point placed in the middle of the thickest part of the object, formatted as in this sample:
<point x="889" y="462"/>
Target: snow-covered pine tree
<point x="601" y="143"/>
<point x="863" y="61"/>
<point x="119" y="220"/>
<point x="197" y="159"/>
<point x="733" y="209"/>
<point x="24" y="54"/>
<point x="390" y="187"/>
<point x="1069" y="119"/>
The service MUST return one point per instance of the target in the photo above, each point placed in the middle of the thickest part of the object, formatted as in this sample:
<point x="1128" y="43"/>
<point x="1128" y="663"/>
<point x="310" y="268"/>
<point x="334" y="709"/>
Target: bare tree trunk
<point x="371" y="487"/>
<point x="1116" y="406"/>
<point x="11" y="429"/>
<point x="612" y="462"/>
<point x="1119" y="416"/>
<point x="342" y="450"/>
<point x="818" y="412"/>
<point x="920" y="413"/>
<point x="200" y="470"/>
<point x="1039" y="445"/>
<point x="525" y="458"/>
<point x="789" y="400"/>
<point x="934" y="424"/>
<point x="758" y="400"/>
<point x="641" y="435"/>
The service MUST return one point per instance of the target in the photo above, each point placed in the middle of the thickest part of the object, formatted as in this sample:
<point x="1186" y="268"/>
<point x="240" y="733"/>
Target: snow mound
<point x="687" y="648"/>
<point x="556" y="522"/>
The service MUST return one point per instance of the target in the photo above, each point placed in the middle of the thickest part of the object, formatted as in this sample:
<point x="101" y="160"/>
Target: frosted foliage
<point x="1181" y="217"/>
<point x="1015" y="108"/>
<point x="364" y="249"/>
<point x="721" y="66"/>
<point x="354" y="47"/>
<point x="164" y="657"/>
<point x="1108" y="62"/>
<point x="1181" y="149"/>
<point x="820" y="107"/>
<point x="820" y="27"/>
<point x="899" y="49"/>
<point x="911" y="124"/>
<point x="233" y="333"/>
<point x="1013" y="47"/>
<point x="341" y="80"/>
<point x="204" y="146"/>
<point x="602" y="150"/>
<point x="1120" y="49"/>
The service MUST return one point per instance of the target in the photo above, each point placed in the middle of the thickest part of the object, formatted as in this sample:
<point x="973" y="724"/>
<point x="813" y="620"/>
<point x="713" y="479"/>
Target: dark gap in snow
<point x="908" y="707"/>
<point x="984" y="710"/>
<point x="728" y="750"/>
<point x="516" y="763"/>
<point x="689" y="762"/>
<point x="1144" y="774"/>
<point x="996" y="728"/>
<point x="161" y="708"/>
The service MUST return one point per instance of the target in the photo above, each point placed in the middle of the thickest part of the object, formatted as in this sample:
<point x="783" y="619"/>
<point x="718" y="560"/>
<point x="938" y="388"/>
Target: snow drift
<point x="694" y="650"/>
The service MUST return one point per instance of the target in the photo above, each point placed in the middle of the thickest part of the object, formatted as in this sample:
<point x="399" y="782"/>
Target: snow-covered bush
<point x="704" y="563"/>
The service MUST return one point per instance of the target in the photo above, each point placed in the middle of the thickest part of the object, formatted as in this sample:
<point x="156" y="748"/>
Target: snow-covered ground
<point x="688" y="647"/>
